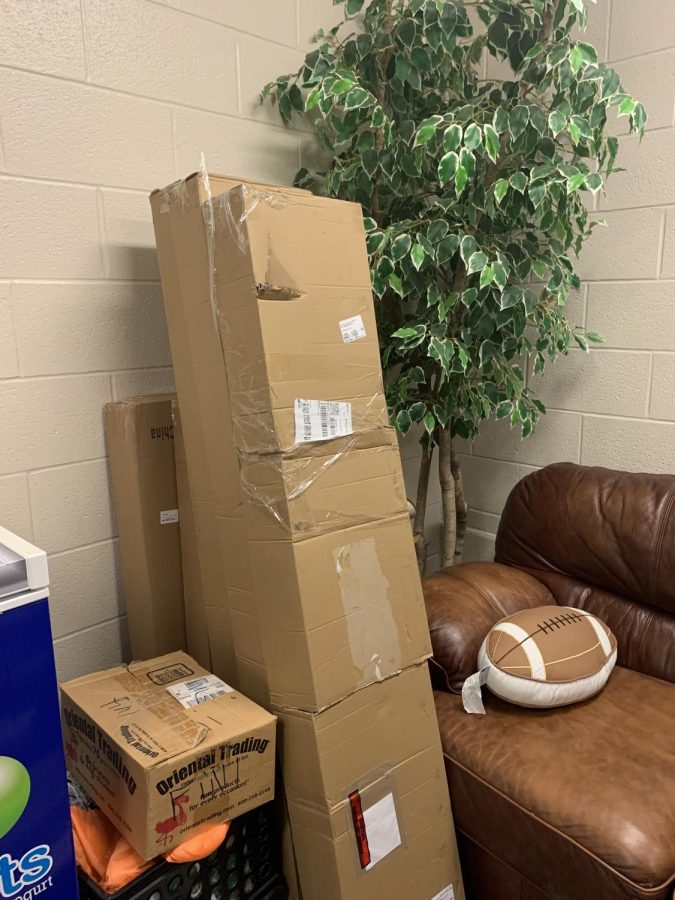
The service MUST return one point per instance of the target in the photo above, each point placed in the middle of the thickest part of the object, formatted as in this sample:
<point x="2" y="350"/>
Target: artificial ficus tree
<point x="476" y="193"/>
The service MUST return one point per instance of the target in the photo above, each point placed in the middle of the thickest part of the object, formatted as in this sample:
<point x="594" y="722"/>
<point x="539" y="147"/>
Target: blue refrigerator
<point x="36" y="843"/>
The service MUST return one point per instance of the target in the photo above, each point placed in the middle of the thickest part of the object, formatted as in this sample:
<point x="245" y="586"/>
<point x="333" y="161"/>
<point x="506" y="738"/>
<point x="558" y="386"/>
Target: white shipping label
<point x="321" y="420"/>
<point x="382" y="829"/>
<point x="199" y="690"/>
<point x="352" y="329"/>
<point x="168" y="516"/>
<point x="447" y="893"/>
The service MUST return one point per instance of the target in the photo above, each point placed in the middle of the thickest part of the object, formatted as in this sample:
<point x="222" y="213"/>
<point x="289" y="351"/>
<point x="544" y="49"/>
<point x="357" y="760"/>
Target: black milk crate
<point x="247" y="866"/>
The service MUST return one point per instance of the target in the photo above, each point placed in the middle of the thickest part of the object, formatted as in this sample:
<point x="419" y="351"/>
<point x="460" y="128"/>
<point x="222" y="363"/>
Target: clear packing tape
<point x="309" y="416"/>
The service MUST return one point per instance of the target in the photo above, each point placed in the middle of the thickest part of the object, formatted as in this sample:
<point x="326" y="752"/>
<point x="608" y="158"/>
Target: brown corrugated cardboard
<point x="201" y="384"/>
<point x="164" y="747"/>
<point x="336" y="584"/>
<point x="381" y="746"/>
<point x="288" y="270"/>
<point x="196" y="625"/>
<point x="141" y="447"/>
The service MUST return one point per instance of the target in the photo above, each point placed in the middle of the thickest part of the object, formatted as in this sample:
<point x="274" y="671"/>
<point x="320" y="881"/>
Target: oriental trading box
<point x="163" y="747"/>
<point x="140" y="437"/>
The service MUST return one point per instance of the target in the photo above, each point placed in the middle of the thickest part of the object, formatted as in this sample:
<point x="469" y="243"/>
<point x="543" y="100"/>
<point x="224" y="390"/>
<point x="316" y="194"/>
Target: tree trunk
<point x="421" y="506"/>
<point x="449" y="532"/>
<point x="461" y="506"/>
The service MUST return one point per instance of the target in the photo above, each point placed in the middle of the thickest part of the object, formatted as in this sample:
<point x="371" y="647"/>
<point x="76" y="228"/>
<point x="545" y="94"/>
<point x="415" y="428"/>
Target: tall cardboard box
<point x="196" y="624"/>
<point x="336" y="584"/>
<point x="140" y="437"/>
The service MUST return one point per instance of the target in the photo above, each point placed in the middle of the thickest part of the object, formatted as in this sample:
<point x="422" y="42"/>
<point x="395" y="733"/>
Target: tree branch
<point x="461" y="506"/>
<point x="449" y="533"/>
<point x="421" y="505"/>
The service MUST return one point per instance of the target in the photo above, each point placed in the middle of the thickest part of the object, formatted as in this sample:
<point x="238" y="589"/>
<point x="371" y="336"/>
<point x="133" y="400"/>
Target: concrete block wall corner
<point x="103" y="100"/>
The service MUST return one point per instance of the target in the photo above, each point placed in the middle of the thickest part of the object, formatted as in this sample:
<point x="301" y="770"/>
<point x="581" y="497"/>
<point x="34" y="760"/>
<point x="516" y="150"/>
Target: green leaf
<point x="534" y="51"/>
<point x="406" y="32"/>
<point x="557" y="121"/>
<point x="400" y="246"/>
<point x="354" y="7"/>
<point x="627" y="106"/>
<point x="461" y="179"/>
<point x="500" y="274"/>
<point x="403" y="421"/>
<point x="594" y="337"/>
<point x="491" y="142"/>
<point x="375" y="241"/>
<point x="427" y="130"/>
<point x="576" y="59"/>
<point x="500" y="121"/>
<point x="477" y="262"/>
<point x="575" y="182"/>
<point x="518" y="119"/>
<point x="405" y="333"/>
<point x="526" y="429"/>
<point x="467" y="248"/>
<point x="377" y="120"/>
<point x="417" y="409"/>
<point x="437" y="230"/>
<point x="573" y="132"/>
<point x="467" y="161"/>
<point x="511" y="296"/>
<point x="429" y="421"/>
<point x="501" y="188"/>
<point x="503" y="409"/>
<point x="447" y="249"/>
<point x="403" y="67"/>
<point x="472" y="137"/>
<point x="369" y="224"/>
<point x="417" y="255"/>
<point x="312" y="99"/>
<point x="518" y="182"/>
<point x="356" y="98"/>
<point x="447" y="168"/>
<point x="342" y="85"/>
<point x="582" y="342"/>
<point x="396" y="284"/>
<point x="486" y="276"/>
<point x="452" y="137"/>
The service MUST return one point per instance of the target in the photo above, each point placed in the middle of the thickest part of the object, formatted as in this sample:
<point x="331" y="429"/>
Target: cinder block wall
<point x="614" y="406"/>
<point x="101" y="101"/>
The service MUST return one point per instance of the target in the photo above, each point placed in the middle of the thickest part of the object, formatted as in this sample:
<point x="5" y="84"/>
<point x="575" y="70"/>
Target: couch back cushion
<point x="603" y="541"/>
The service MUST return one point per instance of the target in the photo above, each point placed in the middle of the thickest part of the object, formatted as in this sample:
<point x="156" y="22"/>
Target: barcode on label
<point x="321" y="420"/>
<point x="199" y="690"/>
<point x="352" y="329"/>
<point x="447" y="893"/>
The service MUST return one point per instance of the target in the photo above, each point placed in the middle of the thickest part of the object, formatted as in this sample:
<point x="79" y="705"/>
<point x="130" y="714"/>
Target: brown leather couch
<point x="576" y="803"/>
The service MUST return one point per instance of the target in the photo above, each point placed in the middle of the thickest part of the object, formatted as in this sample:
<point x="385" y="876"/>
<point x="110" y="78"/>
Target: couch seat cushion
<point x="581" y="799"/>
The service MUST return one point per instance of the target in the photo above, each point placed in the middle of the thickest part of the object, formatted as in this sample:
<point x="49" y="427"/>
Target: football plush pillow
<point x="543" y="657"/>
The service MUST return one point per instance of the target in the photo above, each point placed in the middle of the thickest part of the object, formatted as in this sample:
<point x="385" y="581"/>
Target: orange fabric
<point x="200" y="845"/>
<point x="102" y="852"/>
<point x="110" y="860"/>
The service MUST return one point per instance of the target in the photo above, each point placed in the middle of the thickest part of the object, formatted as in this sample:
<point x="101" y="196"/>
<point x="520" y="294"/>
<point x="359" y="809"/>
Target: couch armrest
<point x="463" y="603"/>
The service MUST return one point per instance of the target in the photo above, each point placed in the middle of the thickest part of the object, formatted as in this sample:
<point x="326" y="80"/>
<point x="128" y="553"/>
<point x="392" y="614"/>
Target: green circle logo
<point x="14" y="792"/>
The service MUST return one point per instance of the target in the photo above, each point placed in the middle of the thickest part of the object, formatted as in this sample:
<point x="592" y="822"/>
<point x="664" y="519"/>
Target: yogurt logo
<point x="14" y="792"/>
<point x="35" y="865"/>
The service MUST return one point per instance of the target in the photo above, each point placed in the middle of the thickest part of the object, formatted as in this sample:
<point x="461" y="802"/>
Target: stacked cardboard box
<point x="270" y="290"/>
<point x="140" y="436"/>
